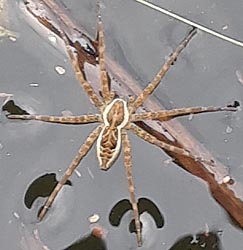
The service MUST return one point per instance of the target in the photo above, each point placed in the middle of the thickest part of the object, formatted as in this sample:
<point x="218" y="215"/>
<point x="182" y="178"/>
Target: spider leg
<point x="164" y="115"/>
<point x="60" y="119"/>
<point x="79" y="74"/>
<point x="105" y="81"/>
<point x="153" y="140"/>
<point x="128" y="166"/>
<point x="84" y="149"/>
<point x="155" y="82"/>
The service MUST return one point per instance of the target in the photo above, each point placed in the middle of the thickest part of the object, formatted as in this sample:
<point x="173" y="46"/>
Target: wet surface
<point x="138" y="39"/>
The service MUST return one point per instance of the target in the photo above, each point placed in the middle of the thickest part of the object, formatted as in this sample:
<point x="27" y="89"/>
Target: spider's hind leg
<point x="84" y="149"/>
<point x="167" y="147"/>
<point x="128" y="166"/>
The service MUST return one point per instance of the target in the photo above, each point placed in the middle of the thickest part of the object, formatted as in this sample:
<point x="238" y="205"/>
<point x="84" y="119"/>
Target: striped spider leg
<point x="115" y="118"/>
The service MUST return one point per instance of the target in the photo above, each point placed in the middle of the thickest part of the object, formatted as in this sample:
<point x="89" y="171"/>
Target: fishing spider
<point x="116" y="116"/>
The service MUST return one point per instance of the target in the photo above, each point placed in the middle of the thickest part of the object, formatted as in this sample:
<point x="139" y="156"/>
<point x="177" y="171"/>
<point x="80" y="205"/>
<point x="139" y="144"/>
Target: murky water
<point x="139" y="39"/>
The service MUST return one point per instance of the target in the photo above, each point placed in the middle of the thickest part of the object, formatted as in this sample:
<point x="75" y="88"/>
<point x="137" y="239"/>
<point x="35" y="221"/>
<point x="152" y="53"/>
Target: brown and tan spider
<point x="116" y="116"/>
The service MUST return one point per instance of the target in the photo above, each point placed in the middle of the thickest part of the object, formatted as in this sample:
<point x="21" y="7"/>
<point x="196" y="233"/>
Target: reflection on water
<point x="90" y="242"/>
<point x="205" y="241"/>
<point x="30" y="240"/>
<point x="4" y="21"/>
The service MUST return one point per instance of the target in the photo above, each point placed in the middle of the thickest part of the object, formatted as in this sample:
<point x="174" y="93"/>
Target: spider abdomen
<point x="108" y="146"/>
<point x="109" y="139"/>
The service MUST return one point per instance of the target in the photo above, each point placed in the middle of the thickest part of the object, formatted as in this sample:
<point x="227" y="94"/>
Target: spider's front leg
<point x="78" y="72"/>
<point x="128" y="166"/>
<point x="60" y="119"/>
<point x="164" y="115"/>
<point x="157" y="79"/>
<point x="104" y="77"/>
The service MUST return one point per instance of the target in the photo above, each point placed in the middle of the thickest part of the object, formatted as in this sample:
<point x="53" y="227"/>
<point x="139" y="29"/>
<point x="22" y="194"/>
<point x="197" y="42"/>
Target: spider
<point x="117" y="115"/>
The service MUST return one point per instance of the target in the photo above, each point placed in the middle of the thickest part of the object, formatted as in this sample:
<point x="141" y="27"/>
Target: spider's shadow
<point x="144" y="205"/>
<point x="11" y="108"/>
<point x="43" y="186"/>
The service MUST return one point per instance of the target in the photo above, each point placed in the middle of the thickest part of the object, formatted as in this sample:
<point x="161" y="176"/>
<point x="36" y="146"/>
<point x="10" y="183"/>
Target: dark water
<point x="139" y="39"/>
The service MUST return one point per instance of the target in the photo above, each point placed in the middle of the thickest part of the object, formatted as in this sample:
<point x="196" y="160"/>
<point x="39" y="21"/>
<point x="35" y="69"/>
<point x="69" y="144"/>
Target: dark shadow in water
<point x="31" y="240"/>
<point x="144" y="205"/>
<point x="41" y="187"/>
<point x="90" y="242"/>
<point x="13" y="109"/>
<point x="202" y="241"/>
